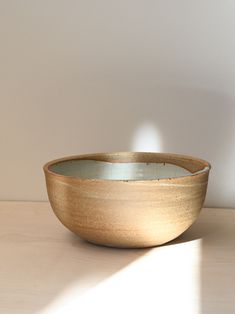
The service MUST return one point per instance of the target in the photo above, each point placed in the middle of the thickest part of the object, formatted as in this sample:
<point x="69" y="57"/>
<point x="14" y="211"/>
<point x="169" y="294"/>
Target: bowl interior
<point x="96" y="169"/>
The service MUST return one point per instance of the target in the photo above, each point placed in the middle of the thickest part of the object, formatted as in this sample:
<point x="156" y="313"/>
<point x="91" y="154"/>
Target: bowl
<point x="127" y="199"/>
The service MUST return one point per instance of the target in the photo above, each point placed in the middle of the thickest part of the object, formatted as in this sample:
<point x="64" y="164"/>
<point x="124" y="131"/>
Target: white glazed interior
<point x="92" y="169"/>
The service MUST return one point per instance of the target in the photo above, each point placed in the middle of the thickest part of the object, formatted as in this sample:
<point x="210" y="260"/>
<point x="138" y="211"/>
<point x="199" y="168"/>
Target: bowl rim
<point x="47" y="171"/>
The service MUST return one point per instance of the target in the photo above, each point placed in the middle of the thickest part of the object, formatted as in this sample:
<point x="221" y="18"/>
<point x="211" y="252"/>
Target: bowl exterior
<point x="127" y="213"/>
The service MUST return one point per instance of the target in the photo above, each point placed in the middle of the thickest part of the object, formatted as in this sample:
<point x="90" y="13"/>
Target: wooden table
<point x="46" y="269"/>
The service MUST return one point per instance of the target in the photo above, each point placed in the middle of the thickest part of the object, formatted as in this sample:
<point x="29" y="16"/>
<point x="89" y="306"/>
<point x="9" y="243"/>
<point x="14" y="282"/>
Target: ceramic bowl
<point x="127" y="199"/>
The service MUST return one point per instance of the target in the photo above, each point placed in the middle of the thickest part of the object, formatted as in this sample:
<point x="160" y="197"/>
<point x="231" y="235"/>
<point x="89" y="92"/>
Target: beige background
<point x="88" y="76"/>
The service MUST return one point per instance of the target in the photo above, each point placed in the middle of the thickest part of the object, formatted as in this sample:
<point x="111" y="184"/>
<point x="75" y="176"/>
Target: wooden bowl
<point x="127" y="199"/>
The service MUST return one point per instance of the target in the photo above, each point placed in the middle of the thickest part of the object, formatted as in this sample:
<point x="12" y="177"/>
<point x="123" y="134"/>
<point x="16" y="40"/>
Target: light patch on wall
<point x="147" y="139"/>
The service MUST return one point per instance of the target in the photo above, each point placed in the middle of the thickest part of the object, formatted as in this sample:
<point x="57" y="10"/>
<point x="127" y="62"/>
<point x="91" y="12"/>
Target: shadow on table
<point x="43" y="262"/>
<point x="80" y="268"/>
<point x="217" y="262"/>
<point x="59" y="267"/>
<point x="215" y="231"/>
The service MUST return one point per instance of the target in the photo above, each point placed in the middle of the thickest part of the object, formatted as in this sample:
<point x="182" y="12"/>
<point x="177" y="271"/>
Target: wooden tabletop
<point x="45" y="269"/>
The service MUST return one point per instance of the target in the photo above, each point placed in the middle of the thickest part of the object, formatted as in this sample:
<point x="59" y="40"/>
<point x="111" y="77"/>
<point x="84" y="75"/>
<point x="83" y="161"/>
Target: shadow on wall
<point x="181" y="120"/>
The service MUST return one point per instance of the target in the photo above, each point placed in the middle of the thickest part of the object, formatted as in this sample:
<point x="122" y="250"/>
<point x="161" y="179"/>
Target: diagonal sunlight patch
<point x="147" y="138"/>
<point x="165" y="280"/>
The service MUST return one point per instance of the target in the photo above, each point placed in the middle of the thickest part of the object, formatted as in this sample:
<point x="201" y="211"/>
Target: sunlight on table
<point x="166" y="278"/>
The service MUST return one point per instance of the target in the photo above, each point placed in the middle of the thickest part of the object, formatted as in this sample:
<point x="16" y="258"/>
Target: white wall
<point x="102" y="75"/>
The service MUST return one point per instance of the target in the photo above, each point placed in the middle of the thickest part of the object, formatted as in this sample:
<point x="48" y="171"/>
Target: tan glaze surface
<point x="45" y="269"/>
<point x="129" y="213"/>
